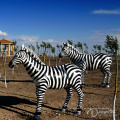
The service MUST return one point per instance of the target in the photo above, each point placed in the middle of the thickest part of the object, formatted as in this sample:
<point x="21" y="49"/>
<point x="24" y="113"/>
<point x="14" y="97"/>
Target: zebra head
<point x="18" y="58"/>
<point x="65" y="50"/>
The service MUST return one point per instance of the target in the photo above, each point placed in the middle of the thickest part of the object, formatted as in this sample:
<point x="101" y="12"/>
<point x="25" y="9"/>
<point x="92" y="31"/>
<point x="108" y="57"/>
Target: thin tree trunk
<point x="44" y="54"/>
<point x="116" y="79"/>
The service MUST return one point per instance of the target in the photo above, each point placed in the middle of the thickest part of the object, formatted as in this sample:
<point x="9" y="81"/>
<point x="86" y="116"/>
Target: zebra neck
<point x="75" y="56"/>
<point x="33" y="64"/>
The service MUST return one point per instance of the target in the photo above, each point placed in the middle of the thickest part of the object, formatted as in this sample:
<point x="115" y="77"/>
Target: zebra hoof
<point x="36" y="117"/>
<point x="107" y="86"/>
<point x="63" y="110"/>
<point x="78" y="112"/>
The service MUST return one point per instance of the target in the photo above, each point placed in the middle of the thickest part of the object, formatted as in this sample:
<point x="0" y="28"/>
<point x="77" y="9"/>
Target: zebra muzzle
<point x="11" y="65"/>
<point x="60" y="55"/>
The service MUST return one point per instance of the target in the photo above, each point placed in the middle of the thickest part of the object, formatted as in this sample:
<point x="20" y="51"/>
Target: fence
<point x="5" y="53"/>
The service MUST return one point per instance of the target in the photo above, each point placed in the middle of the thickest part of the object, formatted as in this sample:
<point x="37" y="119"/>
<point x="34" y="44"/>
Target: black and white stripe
<point x="98" y="61"/>
<point x="66" y="76"/>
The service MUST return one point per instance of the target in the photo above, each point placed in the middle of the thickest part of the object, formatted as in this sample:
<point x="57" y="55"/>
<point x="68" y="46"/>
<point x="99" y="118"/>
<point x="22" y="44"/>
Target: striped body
<point x="93" y="62"/>
<point x="56" y="76"/>
<point x="66" y="76"/>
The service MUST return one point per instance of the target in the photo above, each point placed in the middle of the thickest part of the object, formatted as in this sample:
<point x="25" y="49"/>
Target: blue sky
<point x="56" y="21"/>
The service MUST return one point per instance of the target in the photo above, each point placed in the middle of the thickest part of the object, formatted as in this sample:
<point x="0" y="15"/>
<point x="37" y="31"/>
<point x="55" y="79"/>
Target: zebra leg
<point x="40" y="91"/>
<point x="69" y="94"/>
<point x="104" y="79"/>
<point x="108" y="79"/>
<point x="80" y="96"/>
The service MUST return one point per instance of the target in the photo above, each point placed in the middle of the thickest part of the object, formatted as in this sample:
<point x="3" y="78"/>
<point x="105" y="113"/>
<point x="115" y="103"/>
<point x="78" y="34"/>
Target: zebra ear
<point x="22" y="47"/>
<point x="64" y="44"/>
<point x="67" y="43"/>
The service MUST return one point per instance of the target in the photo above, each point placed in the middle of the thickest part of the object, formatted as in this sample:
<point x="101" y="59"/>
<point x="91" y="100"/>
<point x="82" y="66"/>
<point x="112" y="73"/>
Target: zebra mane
<point x="31" y="53"/>
<point x="73" y="48"/>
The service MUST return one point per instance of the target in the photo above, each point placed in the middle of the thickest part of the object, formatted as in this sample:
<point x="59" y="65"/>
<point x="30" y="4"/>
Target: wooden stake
<point x="49" y="61"/>
<point x="13" y="70"/>
<point x="56" y="61"/>
<point x="59" y="61"/>
<point x="4" y="71"/>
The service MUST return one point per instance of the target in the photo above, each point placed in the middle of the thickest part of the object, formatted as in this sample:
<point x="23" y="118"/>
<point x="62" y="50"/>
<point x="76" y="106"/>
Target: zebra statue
<point x="66" y="76"/>
<point x="93" y="62"/>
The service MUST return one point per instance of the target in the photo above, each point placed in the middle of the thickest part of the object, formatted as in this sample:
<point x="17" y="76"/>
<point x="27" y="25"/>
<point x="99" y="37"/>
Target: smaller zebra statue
<point x="66" y="76"/>
<point x="97" y="61"/>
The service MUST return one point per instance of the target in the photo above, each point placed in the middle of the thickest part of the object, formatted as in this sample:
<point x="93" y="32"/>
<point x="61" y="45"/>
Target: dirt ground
<point x="18" y="100"/>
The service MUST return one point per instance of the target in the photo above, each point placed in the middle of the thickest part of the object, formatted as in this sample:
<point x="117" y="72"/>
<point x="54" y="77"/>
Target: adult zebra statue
<point x="93" y="62"/>
<point x="66" y="76"/>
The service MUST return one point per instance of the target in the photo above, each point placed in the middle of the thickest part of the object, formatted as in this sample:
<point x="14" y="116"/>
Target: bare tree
<point x="112" y="48"/>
